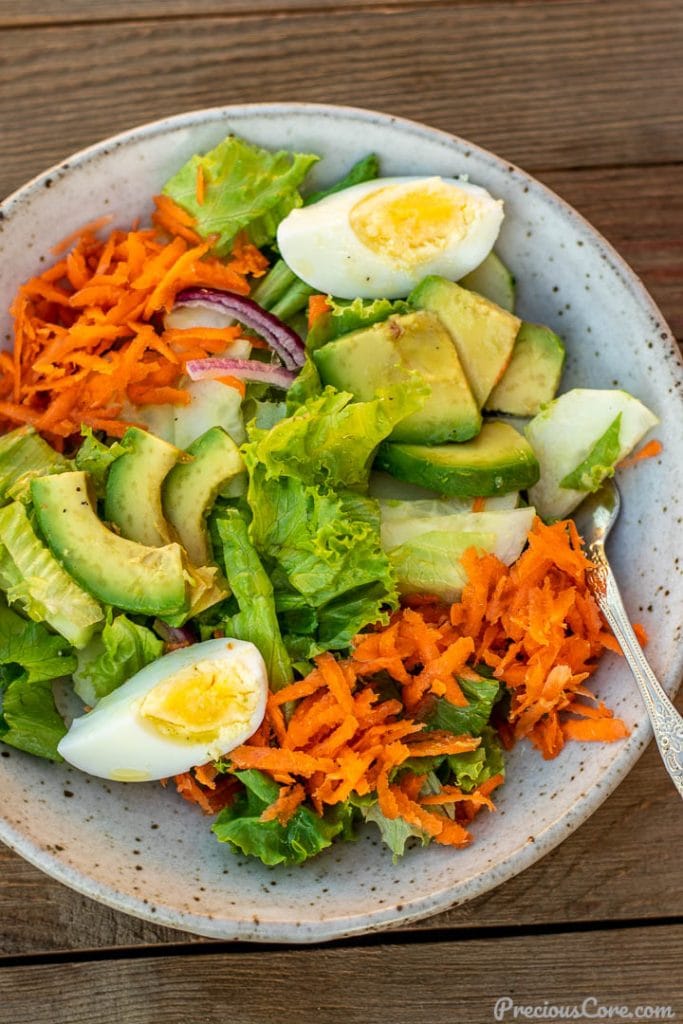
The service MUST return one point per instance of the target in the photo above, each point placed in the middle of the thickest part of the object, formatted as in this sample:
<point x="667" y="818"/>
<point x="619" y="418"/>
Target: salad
<point x="284" y="499"/>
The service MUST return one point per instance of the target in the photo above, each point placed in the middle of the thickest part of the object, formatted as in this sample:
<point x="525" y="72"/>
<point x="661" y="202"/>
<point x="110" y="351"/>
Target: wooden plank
<point x="424" y="983"/>
<point x="560" y="86"/>
<point x="16" y="13"/>
<point x="598" y="874"/>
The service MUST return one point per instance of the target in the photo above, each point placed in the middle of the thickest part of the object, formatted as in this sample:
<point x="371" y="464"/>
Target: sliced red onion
<point x="245" y="369"/>
<point x="177" y="635"/>
<point x="281" y="338"/>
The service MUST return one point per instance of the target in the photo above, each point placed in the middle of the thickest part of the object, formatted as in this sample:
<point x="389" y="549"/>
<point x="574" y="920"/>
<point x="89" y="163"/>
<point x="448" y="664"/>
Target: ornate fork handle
<point x="666" y="721"/>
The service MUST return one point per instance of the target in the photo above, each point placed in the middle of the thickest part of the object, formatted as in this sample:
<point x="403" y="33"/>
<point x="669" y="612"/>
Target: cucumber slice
<point x="564" y="435"/>
<point x="190" y="489"/>
<point x="493" y="280"/>
<point x="497" y="461"/>
<point x="533" y="374"/>
<point x="133" y="494"/>
<point x="393" y="511"/>
<point x="35" y="580"/>
<point x="430" y="563"/>
<point x="509" y="528"/>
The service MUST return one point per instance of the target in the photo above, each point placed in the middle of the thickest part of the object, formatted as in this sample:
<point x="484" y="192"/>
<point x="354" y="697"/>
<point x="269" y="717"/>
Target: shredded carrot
<point x="641" y="633"/>
<point x="85" y="231"/>
<point x="648" y="451"/>
<point x="87" y="338"/>
<point x="479" y="504"/>
<point x="286" y="804"/>
<point x="317" y="307"/>
<point x="200" y="185"/>
<point x="204" y="787"/>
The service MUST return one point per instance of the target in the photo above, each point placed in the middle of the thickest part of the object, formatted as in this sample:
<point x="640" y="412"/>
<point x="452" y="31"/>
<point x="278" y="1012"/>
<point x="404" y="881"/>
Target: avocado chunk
<point x="493" y="280"/>
<point x="390" y="353"/>
<point x="133" y="492"/>
<point x="120" y="572"/>
<point x="497" y="461"/>
<point x="483" y="333"/>
<point x="24" y="455"/>
<point x="533" y="373"/>
<point x="190" y="489"/>
<point x="36" y="582"/>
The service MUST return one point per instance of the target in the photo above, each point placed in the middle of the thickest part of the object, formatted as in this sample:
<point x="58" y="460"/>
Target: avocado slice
<point x="190" y="489"/>
<point x="131" y="576"/>
<point x="389" y="353"/>
<point x="483" y="333"/>
<point x="493" y="280"/>
<point x="133" y="492"/>
<point x="33" y="577"/>
<point x="497" y="461"/>
<point x="533" y="373"/>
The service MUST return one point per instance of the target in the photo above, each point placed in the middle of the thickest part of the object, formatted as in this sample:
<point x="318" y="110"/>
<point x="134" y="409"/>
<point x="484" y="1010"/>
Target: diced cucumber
<point x="497" y="461"/>
<point x="483" y="333"/>
<point x="533" y="374"/>
<point x="563" y="435"/>
<point x="493" y="280"/>
<point x="509" y="528"/>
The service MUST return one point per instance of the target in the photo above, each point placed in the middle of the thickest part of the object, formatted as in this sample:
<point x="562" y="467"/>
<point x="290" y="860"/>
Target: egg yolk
<point x="206" y="700"/>
<point x="412" y="223"/>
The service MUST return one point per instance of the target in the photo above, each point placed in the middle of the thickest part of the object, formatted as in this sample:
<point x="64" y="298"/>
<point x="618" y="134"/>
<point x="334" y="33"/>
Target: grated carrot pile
<point x="88" y="335"/>
<point x="535" y="624"/>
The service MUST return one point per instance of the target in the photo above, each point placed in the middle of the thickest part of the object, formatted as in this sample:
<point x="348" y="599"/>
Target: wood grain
<point x="545" y="85"/>
<point x="426" y="983"/>
<point x="602" y="872"/>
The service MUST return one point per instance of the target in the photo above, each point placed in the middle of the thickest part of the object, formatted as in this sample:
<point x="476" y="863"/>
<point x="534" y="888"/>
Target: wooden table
<point x="588" y="96"/>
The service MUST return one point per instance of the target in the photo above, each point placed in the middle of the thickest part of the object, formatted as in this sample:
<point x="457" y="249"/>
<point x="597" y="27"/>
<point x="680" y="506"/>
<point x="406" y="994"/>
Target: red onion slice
<point x="281" y="338"/>
<point x="245" y="369"/>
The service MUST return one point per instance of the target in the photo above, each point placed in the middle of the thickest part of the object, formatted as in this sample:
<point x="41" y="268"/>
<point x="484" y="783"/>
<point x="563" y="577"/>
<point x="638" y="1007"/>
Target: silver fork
<point x="595" y="517"/>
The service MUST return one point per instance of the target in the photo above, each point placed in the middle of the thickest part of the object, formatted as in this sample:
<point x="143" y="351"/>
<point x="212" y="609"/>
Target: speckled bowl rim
<point x="561" y="827"/>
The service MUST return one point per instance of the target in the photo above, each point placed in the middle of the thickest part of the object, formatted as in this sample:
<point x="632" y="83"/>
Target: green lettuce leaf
<point x="246" y="188"/>
<point x="476" y="766"/>
<point x="95" y="458"/>
<point x="345" y="317"/>
<point x="24" y="455"/>
<point x="471" y="719"/>
<point x="330" y="439"/>
<point x="395" y="832"/>
<point x="30" y="658"/>
<point x="256" y="619"/>
<point x="599" y="463"/>
<point x="121" y="650"/>
<point x="365" y="169"/>
<point x="31" y="648"/>
<point x="30" y="720"/>
<point x="304" y="835"/>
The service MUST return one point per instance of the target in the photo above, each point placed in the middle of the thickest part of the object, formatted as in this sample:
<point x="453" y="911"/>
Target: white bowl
<point x="146" y="852"/>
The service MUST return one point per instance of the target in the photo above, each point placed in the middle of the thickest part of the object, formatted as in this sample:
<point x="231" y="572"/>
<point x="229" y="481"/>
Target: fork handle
<point x="666" y="721"/>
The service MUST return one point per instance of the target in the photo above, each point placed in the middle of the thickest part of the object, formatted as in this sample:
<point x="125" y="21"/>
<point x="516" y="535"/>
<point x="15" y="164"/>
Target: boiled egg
<point x="187" y="708"/>
<point x="380" y="238"/>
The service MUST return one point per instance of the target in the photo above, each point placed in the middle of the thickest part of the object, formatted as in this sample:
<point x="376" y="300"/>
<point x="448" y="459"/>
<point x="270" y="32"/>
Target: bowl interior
<point x="143" y="850"/>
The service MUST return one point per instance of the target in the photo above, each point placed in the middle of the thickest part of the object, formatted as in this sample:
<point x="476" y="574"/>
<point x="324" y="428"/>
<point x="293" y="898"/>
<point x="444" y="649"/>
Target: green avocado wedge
<point x="493" y="280"/>
<point x="133" y="491"/>
<point x="497" y="461"/>
<point x="190" y="489"/>
<point x="120" y="572"/>
<point x="533" y="374"/>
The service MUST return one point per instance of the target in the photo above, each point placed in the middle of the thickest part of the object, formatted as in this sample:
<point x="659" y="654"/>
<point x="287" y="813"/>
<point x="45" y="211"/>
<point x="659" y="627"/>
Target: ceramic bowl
<point x="143" y="850"/>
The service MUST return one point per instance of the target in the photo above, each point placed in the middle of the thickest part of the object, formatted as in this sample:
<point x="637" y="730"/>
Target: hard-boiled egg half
<point x="187" y="708"/>
<point x="380" y="238"/>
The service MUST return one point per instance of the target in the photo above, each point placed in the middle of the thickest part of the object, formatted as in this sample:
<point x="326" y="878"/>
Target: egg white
<point x="115" y="741"/>
<point x="321" y="246"/>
